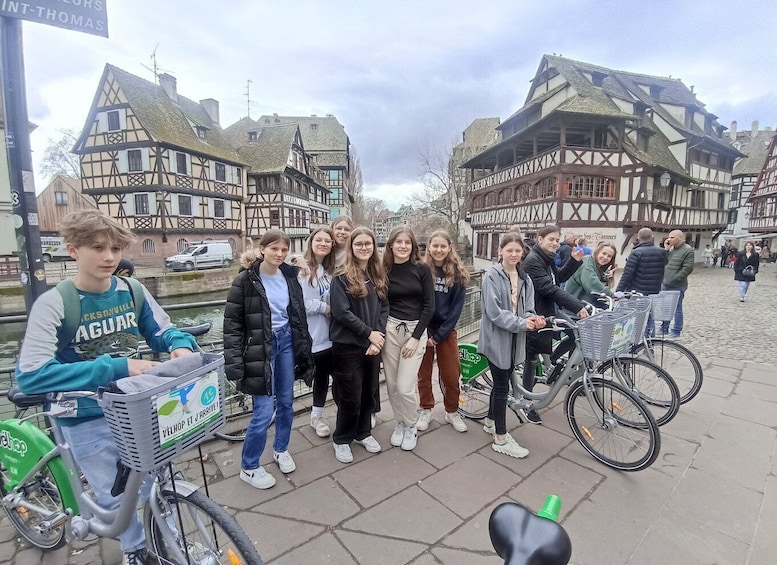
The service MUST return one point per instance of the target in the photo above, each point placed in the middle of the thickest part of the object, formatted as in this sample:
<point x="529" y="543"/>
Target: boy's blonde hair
<point x="84" y="226"/>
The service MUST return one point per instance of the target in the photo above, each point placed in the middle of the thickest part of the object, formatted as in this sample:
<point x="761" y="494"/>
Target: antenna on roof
<point x="248" y="97"/>
<point x="155" y="69"/>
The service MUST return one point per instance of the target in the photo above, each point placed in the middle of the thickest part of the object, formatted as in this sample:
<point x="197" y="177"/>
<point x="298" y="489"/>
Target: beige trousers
<point x="402" y="374"/>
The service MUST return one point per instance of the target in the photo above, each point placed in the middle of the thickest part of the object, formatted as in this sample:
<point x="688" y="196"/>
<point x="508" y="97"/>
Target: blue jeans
<point x="282" y="366"/>
<point x="96" y="454"/>
<point x="743" y="286"/>
<point x="678" y="313"/>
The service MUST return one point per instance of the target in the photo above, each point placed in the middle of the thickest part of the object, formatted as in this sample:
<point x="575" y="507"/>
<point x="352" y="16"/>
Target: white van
<point x="53" y="249"/>
<point x="202" y="255"/>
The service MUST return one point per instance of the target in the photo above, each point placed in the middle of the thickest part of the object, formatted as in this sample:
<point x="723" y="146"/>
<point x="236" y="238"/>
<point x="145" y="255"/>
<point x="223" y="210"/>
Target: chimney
<point x="733" y="131"/>
<point x="212" y="108"/>
<point x="169" y="85"/>
<point x="754" y="131"/>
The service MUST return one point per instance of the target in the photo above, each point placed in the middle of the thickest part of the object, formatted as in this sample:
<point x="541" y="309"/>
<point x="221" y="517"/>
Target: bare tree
<point x="57" y="157"/>
<point x="445" y="193"/>
<point x="365" y="208"/>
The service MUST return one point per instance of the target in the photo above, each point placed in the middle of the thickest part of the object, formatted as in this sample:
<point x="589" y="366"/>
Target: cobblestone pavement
<point x="711" y="497"/>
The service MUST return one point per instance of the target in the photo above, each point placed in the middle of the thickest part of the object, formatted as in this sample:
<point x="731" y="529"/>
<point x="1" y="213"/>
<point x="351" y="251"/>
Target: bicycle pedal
<point x="52" y="522"/>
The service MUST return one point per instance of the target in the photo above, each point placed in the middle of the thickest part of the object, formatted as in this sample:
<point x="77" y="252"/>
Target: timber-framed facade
<point x="285" y="189"/>
<point x="160" y="164"/>
<point x="763" y="200"/>
<point x="587" y="151"/>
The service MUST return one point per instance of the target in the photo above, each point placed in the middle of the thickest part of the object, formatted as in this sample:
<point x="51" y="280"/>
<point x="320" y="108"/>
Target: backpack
<point x="66" y="332"/>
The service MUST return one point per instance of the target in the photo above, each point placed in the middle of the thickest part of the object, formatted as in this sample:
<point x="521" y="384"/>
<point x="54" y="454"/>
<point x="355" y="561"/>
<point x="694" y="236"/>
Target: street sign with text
<point x="88" y="16"/>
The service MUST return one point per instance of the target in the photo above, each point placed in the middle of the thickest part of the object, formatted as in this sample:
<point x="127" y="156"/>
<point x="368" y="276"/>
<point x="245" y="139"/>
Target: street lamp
<point x="662" y="198"/>
<point x="665" y="179"/>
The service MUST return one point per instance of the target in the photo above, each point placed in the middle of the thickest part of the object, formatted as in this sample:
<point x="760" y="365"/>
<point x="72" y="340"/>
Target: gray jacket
<point x="499" y="324"/>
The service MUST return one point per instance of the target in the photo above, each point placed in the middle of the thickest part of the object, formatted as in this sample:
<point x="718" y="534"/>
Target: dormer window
<point x="655" y="91"/>
<point x="200" y="131"/>
<point x="597" y="79"/>
<point x="252" y="135"/>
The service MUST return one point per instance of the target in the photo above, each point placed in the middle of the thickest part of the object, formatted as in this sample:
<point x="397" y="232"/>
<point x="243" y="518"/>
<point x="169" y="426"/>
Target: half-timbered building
<point x="285" y="189"/>
<point x="60" y="197"/>
<point x="763" y="200"/>
<point x="161" y="165"/>
<point x="587" y="152"/>
<point x="330" y="148"/>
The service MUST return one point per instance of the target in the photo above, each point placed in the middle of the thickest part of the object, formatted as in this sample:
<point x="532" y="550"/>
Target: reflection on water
<point x="12" y="334"/>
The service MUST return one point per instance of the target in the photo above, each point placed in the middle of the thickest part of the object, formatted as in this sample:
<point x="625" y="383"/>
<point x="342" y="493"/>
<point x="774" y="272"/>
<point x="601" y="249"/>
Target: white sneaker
<point x="257" y="478"/>
<point x="370" y="444"/>
<point x="510" y="447"/>
<point x="320" y="425"/>
<point x="454" y="419"/>
<point x="410" y="439"/>
<point x="490" y="428"/>
<point x="343" y="452"/>
<point x="285" y="462"/>
<point x="373" y="421"/>
<point x="398" y="435"/>
<point x="423" y="420"/>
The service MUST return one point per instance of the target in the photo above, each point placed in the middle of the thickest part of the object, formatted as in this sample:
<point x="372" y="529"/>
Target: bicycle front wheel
<point x="41" y="500"/>
<point x="614" y="426"/>
<point x="203" y="530"/>
<point x="678" y="361"/>
<point x="475" y="396"/>
<point x="649" y="382"/>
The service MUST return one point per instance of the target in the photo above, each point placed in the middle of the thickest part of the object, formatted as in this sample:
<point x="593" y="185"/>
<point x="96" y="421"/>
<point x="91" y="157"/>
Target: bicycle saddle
<point x="23" y="400"/>
<point x="522" y="538"/>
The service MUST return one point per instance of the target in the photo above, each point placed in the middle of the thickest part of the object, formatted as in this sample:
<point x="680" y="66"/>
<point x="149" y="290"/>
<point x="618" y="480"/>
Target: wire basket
<point x="665" y="304"/>
<point x="153" y="427"/>
<point x="641" y="306"/>
<point x="606" y="334"/>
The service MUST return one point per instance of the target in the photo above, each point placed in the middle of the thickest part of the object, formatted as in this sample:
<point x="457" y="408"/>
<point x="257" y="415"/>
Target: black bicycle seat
<point x="23" y="400"/>
<point x="520" y="537"/>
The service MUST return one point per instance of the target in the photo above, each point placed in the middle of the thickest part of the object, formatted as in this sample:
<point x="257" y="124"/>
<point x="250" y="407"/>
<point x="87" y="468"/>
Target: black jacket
<point x="248" y="332"/>
<point x="644" y="269"/>
<point x="545" y="277"/>
<point x="353" y="319"/>
<point x="742" y="262"/>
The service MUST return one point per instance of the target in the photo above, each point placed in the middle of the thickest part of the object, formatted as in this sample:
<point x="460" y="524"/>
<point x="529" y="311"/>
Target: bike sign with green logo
<point x="188" y="408"/>
<point x="472" y="363"/>
<point x="622" y="335"/>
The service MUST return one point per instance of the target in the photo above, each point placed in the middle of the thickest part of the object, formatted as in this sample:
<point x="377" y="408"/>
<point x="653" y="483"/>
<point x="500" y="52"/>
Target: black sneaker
<point x="533" y="417"/>
<point x="139" y="557"/>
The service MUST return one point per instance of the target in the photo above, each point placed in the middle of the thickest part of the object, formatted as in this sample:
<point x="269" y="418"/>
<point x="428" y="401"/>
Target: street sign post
<point x="88" y="16"/>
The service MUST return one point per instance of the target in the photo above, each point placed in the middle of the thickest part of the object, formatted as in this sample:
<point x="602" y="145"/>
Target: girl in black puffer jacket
<point x="267" y="346"/>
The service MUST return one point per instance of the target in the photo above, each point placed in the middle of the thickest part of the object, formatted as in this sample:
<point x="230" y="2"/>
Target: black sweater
<point x="411" y="294"/>
<point x="353" y="319"/>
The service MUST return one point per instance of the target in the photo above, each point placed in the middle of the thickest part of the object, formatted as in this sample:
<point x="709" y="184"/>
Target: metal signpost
<point x="88" y="16"/>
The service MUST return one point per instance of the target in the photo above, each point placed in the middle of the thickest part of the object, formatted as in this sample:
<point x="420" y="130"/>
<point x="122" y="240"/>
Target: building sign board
<point x="87" y="16"/>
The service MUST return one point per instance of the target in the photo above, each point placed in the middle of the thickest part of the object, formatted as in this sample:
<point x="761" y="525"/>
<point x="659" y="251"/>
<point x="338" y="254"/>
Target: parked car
<point x="55" y="253"/>
<point x="202" y="255"/>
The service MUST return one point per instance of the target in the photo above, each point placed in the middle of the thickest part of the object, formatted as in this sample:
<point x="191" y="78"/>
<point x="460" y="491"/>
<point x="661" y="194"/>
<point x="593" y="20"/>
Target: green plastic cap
<point x="551" y="509"/>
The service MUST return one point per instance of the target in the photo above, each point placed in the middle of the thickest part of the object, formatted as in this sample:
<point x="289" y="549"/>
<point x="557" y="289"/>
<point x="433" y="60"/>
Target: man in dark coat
<point x="644" y="270"/>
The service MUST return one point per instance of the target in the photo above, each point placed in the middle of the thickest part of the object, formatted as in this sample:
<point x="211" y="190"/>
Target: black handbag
<point x="748" y="273"/>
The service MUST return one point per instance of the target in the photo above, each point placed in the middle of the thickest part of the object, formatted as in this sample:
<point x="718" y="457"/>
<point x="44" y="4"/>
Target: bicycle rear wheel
<point x="614" y="426"/>
<point x="42" y="499"/>
<point x="649" y="382"/>
<point x="238" y="408"/>
<point x="475" y="396"/>
<point x="211" y="535"/>
<point x="678" y="361"/>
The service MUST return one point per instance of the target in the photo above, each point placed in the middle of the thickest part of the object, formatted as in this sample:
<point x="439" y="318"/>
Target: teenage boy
<point x="102" y="349"/>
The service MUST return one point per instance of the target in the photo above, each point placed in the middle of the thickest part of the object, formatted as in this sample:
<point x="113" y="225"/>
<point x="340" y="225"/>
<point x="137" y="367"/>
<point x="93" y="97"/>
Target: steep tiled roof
<point x="319" y="133"/>
<point x="270" y="152"/>
<point x="168" y="122"/>
<point x="756" y="150"/>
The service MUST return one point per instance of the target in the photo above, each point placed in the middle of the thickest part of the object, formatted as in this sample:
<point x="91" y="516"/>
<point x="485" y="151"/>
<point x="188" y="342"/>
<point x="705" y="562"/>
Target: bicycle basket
<point x="153" y="427"/>
<point x="606" y="334"/>
<point x="665" y="304"/>
<point x="641" y="306"/>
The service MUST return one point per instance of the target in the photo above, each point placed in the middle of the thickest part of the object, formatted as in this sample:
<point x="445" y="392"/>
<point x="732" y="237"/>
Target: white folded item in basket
<point x="158" y="374"/>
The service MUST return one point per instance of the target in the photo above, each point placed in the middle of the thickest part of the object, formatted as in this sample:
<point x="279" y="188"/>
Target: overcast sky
<point x="401" y="75"/>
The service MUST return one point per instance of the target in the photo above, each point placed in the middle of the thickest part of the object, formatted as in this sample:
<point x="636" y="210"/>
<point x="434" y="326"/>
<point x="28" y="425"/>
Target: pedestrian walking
<point x="724" y="255"/>
<point x="679" y="265"/>
<point x="357" y="330"/>
<point x="745" y="268"/>
<point x="450" y="288"/>
<point x="411" y="306"/>
<point x="507" y="303"/>
<point x="266" y="347"/>
<point x="715" y="256"/>
<point x="707" y="256"/>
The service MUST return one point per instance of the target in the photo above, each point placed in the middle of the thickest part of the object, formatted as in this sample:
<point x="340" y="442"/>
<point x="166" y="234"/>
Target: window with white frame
<point x="114" y="122"/>
<point x="221" y="172"/>
<point x="218" y="208"/>
<point x="184" y="205"/>
<point x="181" y="164"/>
<point x="60" y="198"/>
<point x="134" y="160"/>
<point x="141" y="204"/>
